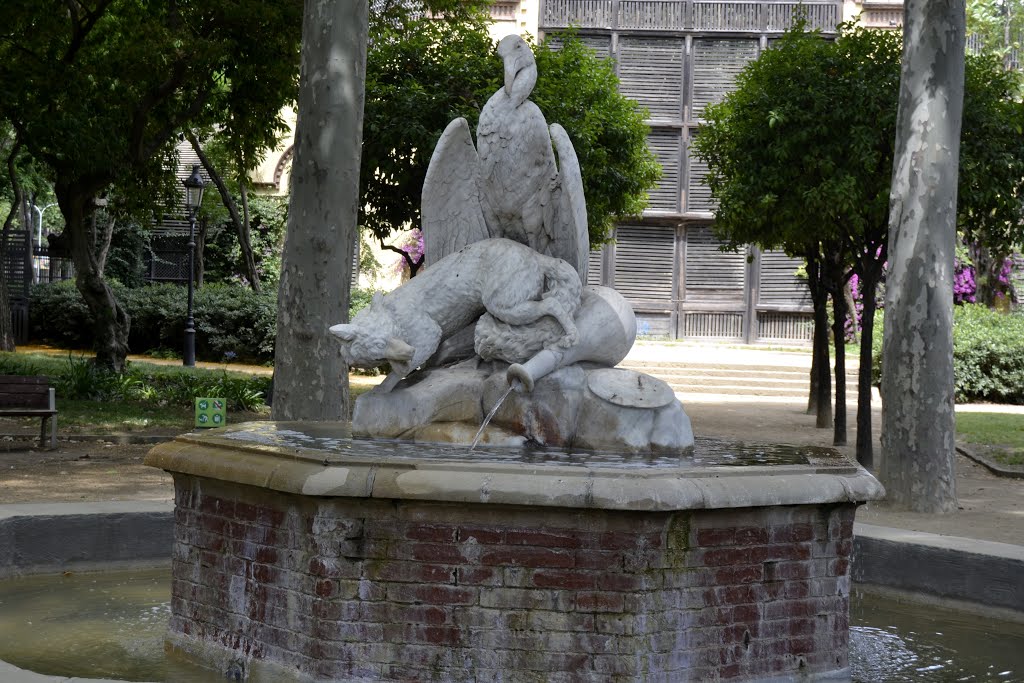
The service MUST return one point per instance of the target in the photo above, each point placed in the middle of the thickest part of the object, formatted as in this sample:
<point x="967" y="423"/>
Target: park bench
<point x="22" y="396"/>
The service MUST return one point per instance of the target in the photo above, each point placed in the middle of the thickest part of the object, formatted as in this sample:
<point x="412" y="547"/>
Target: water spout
<point x="487" y="420"/>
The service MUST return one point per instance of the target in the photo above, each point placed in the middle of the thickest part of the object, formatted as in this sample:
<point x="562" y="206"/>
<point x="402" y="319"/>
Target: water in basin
<point x="112" y="625"/>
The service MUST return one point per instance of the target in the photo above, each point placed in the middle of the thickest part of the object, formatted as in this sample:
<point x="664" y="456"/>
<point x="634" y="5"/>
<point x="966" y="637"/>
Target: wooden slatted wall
<point x="651" y="72"/>
<point x="665" y="144"/>
<point x="644" y="261"/>
<point x="716" y="63"/>
<point x="595" y="267"/>
<point x="602" y="45"/>
<point x="707" y="268"/>
<point x="698" y="195"/>
<point x="778" y="284"/>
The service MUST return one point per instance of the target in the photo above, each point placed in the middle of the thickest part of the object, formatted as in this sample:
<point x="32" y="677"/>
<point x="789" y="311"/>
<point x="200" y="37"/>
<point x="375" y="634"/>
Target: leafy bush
<point x="76" y="377"/>
<point x="988" y="354"/>
<point x="232" y="322"/>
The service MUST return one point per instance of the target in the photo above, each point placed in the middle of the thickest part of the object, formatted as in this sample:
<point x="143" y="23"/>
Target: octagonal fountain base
<point x="301" y="554"/>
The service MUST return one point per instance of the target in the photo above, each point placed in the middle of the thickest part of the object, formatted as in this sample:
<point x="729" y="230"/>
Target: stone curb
<point x="993" y="467"/>
<point x="964" y="570"/>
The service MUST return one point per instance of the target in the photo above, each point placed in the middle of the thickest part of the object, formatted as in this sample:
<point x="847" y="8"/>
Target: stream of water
<point x="111" y="625"/>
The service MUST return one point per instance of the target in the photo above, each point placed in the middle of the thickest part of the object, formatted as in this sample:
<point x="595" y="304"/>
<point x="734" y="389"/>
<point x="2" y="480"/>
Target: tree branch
<point x="413" y="265"/>
<point x="82" y="28"/>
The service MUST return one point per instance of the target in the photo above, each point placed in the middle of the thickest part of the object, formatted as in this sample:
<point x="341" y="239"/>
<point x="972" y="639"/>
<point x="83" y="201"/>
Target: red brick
<point x="433" y="594"/>
<point x="411" y="572"/>
<point x="716" y="536"/>
<point x="526" y="557"/>
<point x="482" y="535"/>
<point x="566" y="580"/>
<point x="437" y="553"/>
<point x="620" y="582"/>
<point x="751" y="535"/>
<point x="542" y="538"/>
<point x="739" y="575"/>
<point x="598" y="559"/>
<point x="476" y="576"/>
<point x="431" y="533"/>
<point x="791" y="533"/>
<point x="722" y="557"/>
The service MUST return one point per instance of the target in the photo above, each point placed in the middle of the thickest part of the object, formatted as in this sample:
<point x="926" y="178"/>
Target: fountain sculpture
<point x="621" y="551"/>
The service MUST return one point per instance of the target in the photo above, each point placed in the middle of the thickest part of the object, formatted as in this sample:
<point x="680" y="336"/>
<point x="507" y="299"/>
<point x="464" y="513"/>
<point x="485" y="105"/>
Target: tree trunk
<point x="111" y="322"/>
<point x="311" y="381"/>
<point x="820" y="400"/>
<point x="865" y="440"/>
<point x="245" y="238"/>
<point x="918" y="425"/>
<point x="241" y="222"/>
<point x="839" y="340"/>
<point x="7" y="342"/>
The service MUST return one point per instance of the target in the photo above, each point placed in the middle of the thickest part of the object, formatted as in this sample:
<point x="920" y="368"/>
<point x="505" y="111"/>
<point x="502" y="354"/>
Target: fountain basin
<point x="302" y="554"/>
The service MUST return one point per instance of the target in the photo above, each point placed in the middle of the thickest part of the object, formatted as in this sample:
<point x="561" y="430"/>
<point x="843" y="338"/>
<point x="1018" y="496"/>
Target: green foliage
<point x="801" y="151"/>
<point x="803" y="148"/>
<point x="230" y="319"/>
<point x="420" y="74"/>
<point x="423" y="72"/>
<point x="988" y="355"/>
<point x="222" y="255"/>
<point x="997" y="25"/>
<point x="78" y="378"/>
<point x="232" y="322"/>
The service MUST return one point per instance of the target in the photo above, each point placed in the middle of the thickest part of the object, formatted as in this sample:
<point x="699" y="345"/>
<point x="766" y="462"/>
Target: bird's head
<point x="520" y="67"/>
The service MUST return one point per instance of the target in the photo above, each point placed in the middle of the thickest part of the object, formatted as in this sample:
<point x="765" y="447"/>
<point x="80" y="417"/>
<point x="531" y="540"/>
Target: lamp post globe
<point x="194" y="186"/>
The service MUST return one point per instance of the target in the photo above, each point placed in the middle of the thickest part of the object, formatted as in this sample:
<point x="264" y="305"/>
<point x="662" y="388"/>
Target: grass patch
<point x="82" y="415"/>
<point x="1002" y="435"/>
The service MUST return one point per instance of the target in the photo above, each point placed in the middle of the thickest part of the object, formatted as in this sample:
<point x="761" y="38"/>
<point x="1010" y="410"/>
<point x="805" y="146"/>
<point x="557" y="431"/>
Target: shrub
<point x="230" y="319"/>
<point x="76" y="377"/>
<point x="988" y="355"/>
<point x="232" y="322"/>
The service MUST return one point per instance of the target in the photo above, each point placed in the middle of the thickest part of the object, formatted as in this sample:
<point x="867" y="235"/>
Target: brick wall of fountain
<point x="362" y="589"/>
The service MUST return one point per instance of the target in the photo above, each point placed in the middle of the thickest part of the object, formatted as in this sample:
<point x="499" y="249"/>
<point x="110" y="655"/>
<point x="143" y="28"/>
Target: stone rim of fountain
<point x="239" y="455"/>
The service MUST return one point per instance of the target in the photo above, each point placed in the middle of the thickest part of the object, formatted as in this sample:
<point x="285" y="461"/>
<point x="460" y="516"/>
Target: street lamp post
<point x="194" y="187"/>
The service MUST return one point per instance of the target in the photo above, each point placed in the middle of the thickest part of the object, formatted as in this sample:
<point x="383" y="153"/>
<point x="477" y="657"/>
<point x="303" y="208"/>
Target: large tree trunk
<point x="311" y="381"/>
<point x="111" y="322"/>
<point x="918" y="426"/>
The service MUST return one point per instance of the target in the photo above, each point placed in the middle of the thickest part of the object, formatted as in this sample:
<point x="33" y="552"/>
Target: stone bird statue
<point x="511" y="184"/>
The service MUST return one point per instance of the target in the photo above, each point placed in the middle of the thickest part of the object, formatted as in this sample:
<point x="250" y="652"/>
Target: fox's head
<point x="368" y="341"/>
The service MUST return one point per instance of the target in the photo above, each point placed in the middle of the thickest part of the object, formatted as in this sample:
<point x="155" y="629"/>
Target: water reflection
<point x="895" y="641"/>
<point x="334" y="445"/>
<point x="111" y="625"/>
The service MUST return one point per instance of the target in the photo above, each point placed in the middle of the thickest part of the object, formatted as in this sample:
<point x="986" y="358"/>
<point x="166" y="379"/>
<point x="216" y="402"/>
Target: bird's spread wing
<point x="450" y="208"/>
<point x="568" y="220"/>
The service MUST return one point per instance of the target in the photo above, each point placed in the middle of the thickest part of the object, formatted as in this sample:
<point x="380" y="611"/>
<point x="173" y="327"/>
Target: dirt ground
<point x="991" y="507"/>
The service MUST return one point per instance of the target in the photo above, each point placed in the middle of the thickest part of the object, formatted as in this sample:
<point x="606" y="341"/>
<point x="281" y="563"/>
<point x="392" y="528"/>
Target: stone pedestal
<point x="303" y="555"/>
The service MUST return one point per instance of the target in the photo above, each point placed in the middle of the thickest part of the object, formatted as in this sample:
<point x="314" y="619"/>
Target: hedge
<point x="232" y="322"/>
<point x="988" y="354"/>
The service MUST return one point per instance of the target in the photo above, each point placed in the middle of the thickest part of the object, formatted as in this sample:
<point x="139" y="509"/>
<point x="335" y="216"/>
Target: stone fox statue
<point x="508" y="280"/>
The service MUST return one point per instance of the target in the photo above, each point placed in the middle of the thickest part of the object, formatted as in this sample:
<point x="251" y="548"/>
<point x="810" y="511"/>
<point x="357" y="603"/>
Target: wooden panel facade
<point x="675" y="57"/>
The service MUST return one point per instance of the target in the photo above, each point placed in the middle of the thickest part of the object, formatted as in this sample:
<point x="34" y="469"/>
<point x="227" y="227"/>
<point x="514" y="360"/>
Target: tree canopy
<point x="422" y="73"/>
<point x="97" y="90"/>
<point x="800" y="155"/>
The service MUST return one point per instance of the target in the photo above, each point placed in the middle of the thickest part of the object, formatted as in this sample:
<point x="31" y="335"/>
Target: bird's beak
<point x="512" y="68"/>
